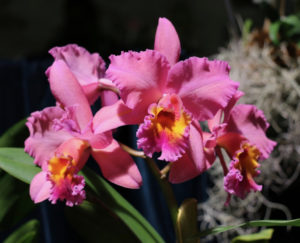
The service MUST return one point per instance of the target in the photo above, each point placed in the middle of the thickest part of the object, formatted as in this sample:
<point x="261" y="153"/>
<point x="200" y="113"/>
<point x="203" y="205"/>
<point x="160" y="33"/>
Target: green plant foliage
<point x="187" y="220"/>
<point x="102" y="193"/>
<point x="285" y="29"/>
<point x="15" y="202"/>
<point x="94" y="223"/>
<point x="255" y="223"/>
<point x="246" y="28"/>
<point x="292" y="23"/>
<point x="18" y="164"/>
<point x="15" y="135"/>
<point x="274" y="32"/>
<point x="27" y="233"/>
<point x="262" y="236"/>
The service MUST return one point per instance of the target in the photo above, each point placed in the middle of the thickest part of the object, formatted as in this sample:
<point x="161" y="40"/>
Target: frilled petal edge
<point x="44" y="137"/>
<point x="140" y="77"/>
<point x="204" y="86"/>
<point x="252" y="124"/>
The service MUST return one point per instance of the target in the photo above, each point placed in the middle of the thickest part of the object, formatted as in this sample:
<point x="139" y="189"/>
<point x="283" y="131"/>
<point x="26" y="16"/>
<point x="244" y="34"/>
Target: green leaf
<point x="8" y="196"/>
<point x="20" y="204"/>
<point x="27" y="233"/>
<point x="246" y="28"/>
<point x="15" y="202"/>
<point x="187" y="220"/>
<point x="18" y="164"/>
<point x="274" y="32"/>
<point x="263" y="235"/>
<point x="256" y="223"/>
<point x="291" y="20"/>
<point x="97" y="224"/>
<point x="15" y="135"/>
<point x="111" y="200"/>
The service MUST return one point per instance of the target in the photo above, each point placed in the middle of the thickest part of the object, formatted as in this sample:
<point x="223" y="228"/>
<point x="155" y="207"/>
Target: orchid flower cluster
<point x="169" y="99"/>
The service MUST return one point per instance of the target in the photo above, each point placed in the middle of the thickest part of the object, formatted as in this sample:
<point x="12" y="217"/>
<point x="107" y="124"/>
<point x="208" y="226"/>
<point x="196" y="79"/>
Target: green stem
<point x="168" y="194"/>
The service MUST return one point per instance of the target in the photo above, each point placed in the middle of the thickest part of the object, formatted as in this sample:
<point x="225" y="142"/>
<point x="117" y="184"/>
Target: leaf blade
<point x="254" y="223"/>
<point x="262" y="235"/>
<point x="120" y="207"/>
<point x="18" y="164"/>
<point x="28" y="232"/>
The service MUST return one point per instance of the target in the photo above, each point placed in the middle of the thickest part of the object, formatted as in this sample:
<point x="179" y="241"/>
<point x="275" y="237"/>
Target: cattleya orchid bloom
<point x="242" y="135"/>
<point x="62" y="138"/>
<point x="89" y="70"/>
<point x="168" y="97"/>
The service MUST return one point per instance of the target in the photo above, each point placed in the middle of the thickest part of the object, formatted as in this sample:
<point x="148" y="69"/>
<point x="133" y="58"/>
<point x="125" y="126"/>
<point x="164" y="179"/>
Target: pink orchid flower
<point x="62" y="138"/>
<point x="89" y="70"/>
<point x="168" y="97"/>
<point x="243" y="135"/>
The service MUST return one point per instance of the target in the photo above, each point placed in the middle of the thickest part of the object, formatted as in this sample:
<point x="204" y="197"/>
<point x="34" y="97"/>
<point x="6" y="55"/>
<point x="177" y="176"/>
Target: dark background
<point x="28" y="29"/>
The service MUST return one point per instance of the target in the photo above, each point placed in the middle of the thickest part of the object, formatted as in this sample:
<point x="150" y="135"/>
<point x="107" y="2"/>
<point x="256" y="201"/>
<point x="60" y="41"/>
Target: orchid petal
<point x="231" y="104"/>
<point x="252" y="124"/>
<point x="92" y="92"/>
<point x="87" y="68"/>
<point x="116" y="115"/>
<point x="44" y="138"/>
<point x="217" y="119"/>
<point x="183" y="169"/>
<point x="197" y="150"/>
<point x="167" y="41"/>
<point x="75" y="148"/>
<point x="100" y="140"/>
<point x="108" y="97"/>
<point x="40" y="187"/>
<point x="117" y="166"/>
<point x="193" y="162"/>
<point x="204" y="86"/>
<point x="68" y="92"/>
<point x="140" y="77"/>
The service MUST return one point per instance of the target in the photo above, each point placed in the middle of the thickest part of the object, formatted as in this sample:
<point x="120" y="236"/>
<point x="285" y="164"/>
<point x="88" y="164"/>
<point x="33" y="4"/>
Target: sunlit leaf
<point x="264" y="235"/>
<point x="187" y="220"/>
<point x="256" y="223"/>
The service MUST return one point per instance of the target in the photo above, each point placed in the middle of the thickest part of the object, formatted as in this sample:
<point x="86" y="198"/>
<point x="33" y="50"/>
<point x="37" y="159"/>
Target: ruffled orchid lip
<point x="62" y="172"/>
<point x="243" y="168"/>
<point x="66" y="184"/>
<point x="165" y="129"/>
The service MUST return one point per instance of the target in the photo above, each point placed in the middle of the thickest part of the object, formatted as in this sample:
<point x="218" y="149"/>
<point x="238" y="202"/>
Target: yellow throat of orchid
<point x="169" y="118"/>
<point x="61" y="167"/>
<point x="247" y="158"/>
<point x="66" y="161"/>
